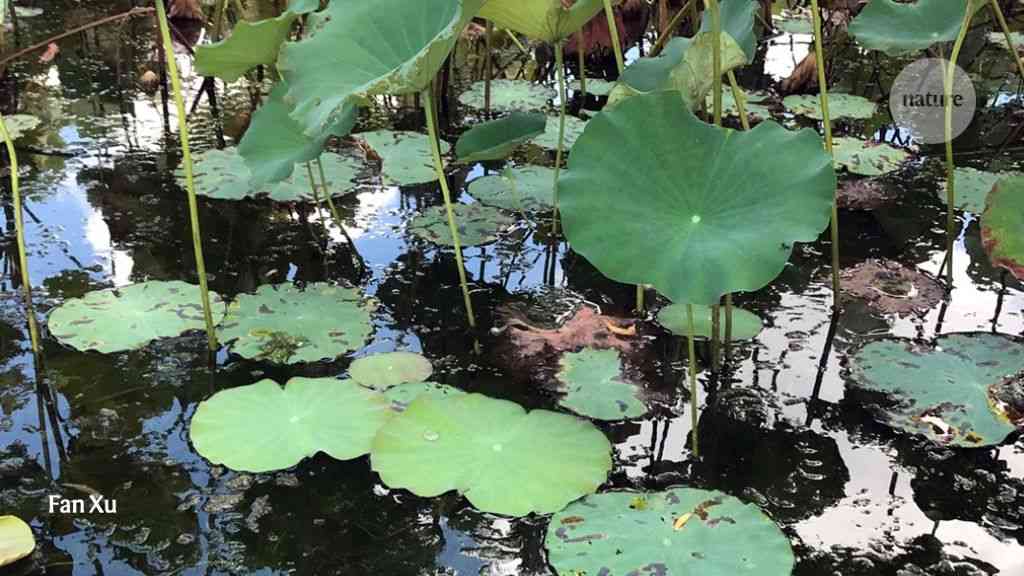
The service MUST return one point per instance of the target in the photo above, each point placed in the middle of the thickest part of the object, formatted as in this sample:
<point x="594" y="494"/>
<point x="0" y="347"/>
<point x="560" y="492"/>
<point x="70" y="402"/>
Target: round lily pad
<point x="867" y="158"/>
<point x="20" y="124"/>
<point x="130" y="317"/>
<point x="900" y="27"/>
<point x="594" y="386"/>
<point x="595" y="86"/>
<point x="383" y="371"/>
<point x="16" y="540"/>
<point x="523" y="189"/>
<point x="753" y="104"/>
<point x="488" y="450"/>
<point x="972" y="188"/>
<point x="508" y="95"/>
<point x="263" y="427"/>
<point x="497" y="139"/>
<point x="406" y="158"/>
<point x="284" y="324"/>
<point x="477" y="224"/>
<point x="839" y="106"/>
<point x="942" y="392"/>
<point x="677" y="531"/>
<point x="404" y="394"/>
<point x="1002" y="225"/>
<point x="745" y="325"/>
<point x="549" y="139"/>
<point x="224" y="175"/>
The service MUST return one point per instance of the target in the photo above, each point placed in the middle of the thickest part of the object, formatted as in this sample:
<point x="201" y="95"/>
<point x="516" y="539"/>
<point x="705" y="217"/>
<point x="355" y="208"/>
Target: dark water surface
<point x="103" y="210"/>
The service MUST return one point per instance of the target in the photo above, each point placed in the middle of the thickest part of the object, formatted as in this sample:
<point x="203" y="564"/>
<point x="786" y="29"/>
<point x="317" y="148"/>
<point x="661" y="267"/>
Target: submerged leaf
<point x="545" y="20"/>
<point x="900" y="27"/>
<point x="383" y="371"/>
<point x="477" y="224"/>
<point x="16" y="539"/>
<point x="223" y="175"/>
<point x="1002" y="225"/>
<point x="523" y="189"/>
<point x="867" y="158"/>
<point x="745" y="325"/>
<point x="839" y="106"/>
<point x="508" y="95"/>
<point x="487" y="449"/>
<point x="406" y="158"/>
<point x="594" y="386"/>
<point x="497" y="139"/>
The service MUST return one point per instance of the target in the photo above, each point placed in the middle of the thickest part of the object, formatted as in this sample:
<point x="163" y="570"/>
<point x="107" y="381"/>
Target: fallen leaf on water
<point x="681" y="521"/>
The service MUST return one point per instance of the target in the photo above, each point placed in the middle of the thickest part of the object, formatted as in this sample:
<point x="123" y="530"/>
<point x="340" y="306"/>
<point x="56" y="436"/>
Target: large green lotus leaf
<point x="678" y="531"/>
<point x="403" y="395"/>
<point x="1002" y="225"/>
<point x="250" y="44"/>
<point x="901" y="27"/>
<point x="20" y="124"/>
<point x="595" y="86"/>
<point x="364" y="49"/>
<point x="497" y="139"/>
<point x="549" y="139"/>
<point x="700" y="211"/>
<point x="737" y="19"/>
<point x="383" y="371"/>
<point x="263" y="427"/>
<point x="132" y="316"/>
<point x="839" y="106"/>
<point x="508" y="95"/>
<point x="406" y="158"/>
<point x="16" y="539"/>
<point x="477" y="224"/>
<point x="945" y="392"/>
<point x="503" y="459"/>
<point x="867" y="158"/>
<point x="972" y="188"/>
<point x="287" y="325"/>
<point x="544" y="20"/>
<point x="745" y="325"/>
<point x="275" y="143"/>
<point x="686" y="65"/>
<point x="223" y="175"/>
<point x="594" y="386"/>
<point x="523" y="189"/>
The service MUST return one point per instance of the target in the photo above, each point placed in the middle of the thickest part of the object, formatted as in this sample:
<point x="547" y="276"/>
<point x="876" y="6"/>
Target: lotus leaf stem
<point x="518" y="44"/>
<point x="337" y="215"/>
<point x="640" y="289"/>
<point x="559" y="151"/>
<point x="950" y="167"/>
<point x="220" y="13"/>
<point x="190" y="186"/>
<point x="670" y="29"/>
<point x="613" y="30"/>
<point x="488" y="67"/>
<point x="737" y="95"/>
<point x="582" y="63"/>
<point x="716" y="337"/>
<point x="994" y="5"/>
<point x="435" y="148"/>
<point x="728" y="326"/>
<point x="716" y="58"/>
<point x="693" y="380"/>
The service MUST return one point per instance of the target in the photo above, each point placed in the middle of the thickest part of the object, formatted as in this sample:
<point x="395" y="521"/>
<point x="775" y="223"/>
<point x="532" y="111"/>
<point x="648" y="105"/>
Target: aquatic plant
<point x="390" y="369"/>
<point x="477" y="224"/>
<point x="545" y="20"/>
<point x="867" y="158"/>
<point x="973" y="187"/>
<point x="745" y="325"/>
<point x="496" y="139"/>
<point x="839" y="106"/>
<point x="225" y="175"/>
<point x="403" y="395"/>
<point x="522" y="189"/>
<point x="1002" y="225"/>
<point x="594" y="385"/>
<point x="16" y="539"/>
<point x="508" y="96"/>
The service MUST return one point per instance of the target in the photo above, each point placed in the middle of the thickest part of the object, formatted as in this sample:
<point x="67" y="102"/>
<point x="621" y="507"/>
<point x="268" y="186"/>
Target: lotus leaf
<point x="545" y="20"/>
<point x="1002" y="225"/>
<point x="497" y="139"/>
<point x="406" y="158"/>
<point x="901" y="27"/>
<point x="363" y="49"/>
<point x="130" y="317"/>
<point x="595" y="86"/>
<point x="737" y="20"/>
<point x="686" y="65"/>
<point x="16" y="539"/>
<point x="285" y="325"/>
<point x="383" y="371"/>
<point x="867" y="158"/>
<point x="508" y="95"/>
<point x="549" y="139"/>
<point x="942" y="392"/>
<point x="698" y="197"/>
<point x="745" y="325"/>
<point x="263" y="427"/>
<point x="404" y="394"/>
<point x="223" y="175"/>
<point x="487" y="449"/>
<point x="594" y="386"/>
<point x="839" y="106"/>
<point x="678" y="531"/>
<point x="972" y="188"/>
<point x="20" y="124"/>
<point x="250" y="44"/>
<point x="523" y="189"/>
<point x="794" y="23"/>
<point x="752" y="103"/>
<point x="477" y="224"/>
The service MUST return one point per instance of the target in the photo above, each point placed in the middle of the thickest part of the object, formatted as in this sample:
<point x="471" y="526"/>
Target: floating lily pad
<point x="678" y="531"/>
<point x="901" y="27"/>
<point x="477" y="224"/>
<point x="549" y="139"/>
<point x="523" y="189"/>
<point x="745" y="325"/>
<point x="16" y="540"/>
<point x="1002" y="225"/>
<point x="508" y="95"/>
<point x="20" y="124"/>
<point x="488" y="450"/>
<point x="839" y="106"/>
<point x="132" y="316"/>
<point x="690" y="199"/>
<point x="753" y="104"/>
<point x="892" y="288"/>
<point x="945" y="392"/>
<point x="595" y="86"/>
<point x="383" y="371"/>
<point x="263" y="427"/>
<point x="594" y="386"/>
<point x="867" y="158"/>
<point x="404" y="394"/>
<point x="541" y="19"/>
<point x="497" y="139"/>
<point x="973" y="187"/>
<point x="406" y="158"/>
<point x="223" y="175"/>
<point x="287" y="325"/>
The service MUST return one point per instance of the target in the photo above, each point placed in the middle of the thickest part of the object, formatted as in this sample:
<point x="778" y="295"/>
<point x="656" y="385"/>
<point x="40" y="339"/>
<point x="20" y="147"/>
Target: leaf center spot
<point x="695" y="219"/>
<point x="496" y="447"/>
<point x="431" y="436"/>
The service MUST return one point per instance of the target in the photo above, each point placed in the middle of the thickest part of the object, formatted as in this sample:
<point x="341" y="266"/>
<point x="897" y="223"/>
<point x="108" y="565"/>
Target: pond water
<point x="103" y="209"/>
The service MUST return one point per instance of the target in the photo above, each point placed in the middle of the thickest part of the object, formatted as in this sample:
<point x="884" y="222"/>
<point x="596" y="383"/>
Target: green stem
<point x="670" y="29"/>
<point x="693" y="381"/>
<point x="716" y="51"/>
<point x="19" y="228"/>
<point x="488" y="65"/>
<point x="582" y="63"/>
<point x="716" y="336"/>
<point x="950" y="167"/>
<point x="220" y="12"/>
<point x="819" y="54"/>
<point x="738" y="96"/>
<point x="435" y="148"/>
<point x="613" y="30"/>
<point x="559" y="151"/>
<point x="193" y="206"/>
<point x="728" y="326"/>
<point x="337" y="215"/>
<point x="640" y="299"/>
<point x="994" y="5"/>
